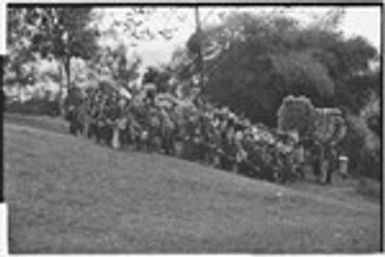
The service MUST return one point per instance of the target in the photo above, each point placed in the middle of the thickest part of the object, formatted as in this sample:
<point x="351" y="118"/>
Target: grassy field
<point x="68" y="195"/>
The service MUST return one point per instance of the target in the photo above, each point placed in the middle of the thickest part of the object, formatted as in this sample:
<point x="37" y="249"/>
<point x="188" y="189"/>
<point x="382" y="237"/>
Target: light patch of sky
<point x="357" y="21"/>
<point x="361" y="21"/>
<point x="364" y="21"/>
<point x="156" y="51"/>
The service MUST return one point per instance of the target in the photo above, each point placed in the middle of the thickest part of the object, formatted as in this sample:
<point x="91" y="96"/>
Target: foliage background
<point x="251" y="62"/>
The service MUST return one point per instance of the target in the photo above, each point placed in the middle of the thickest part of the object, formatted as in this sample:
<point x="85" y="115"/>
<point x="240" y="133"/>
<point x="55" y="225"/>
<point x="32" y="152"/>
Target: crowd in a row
<point x="199" y="132"/>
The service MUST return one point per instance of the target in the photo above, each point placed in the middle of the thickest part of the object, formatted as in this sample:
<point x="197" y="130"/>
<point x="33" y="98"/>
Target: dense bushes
<point x="363" y="148"/>
<point x="34" y="106"/>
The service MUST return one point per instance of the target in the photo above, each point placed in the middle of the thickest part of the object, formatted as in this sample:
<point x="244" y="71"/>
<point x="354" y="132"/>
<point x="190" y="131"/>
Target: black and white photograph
<point x="193" y="128"/>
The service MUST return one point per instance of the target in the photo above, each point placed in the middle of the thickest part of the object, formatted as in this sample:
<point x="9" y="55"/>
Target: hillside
<point x="69" y="195"/>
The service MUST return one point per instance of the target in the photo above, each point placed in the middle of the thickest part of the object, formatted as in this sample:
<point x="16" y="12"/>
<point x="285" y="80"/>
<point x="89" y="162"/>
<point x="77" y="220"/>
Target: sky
<point x="363" y="21"/>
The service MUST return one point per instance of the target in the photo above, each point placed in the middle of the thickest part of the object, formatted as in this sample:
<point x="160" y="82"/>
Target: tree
<point x="120" y="36"/>
<point x="358" y="90"/>
<point x="115" y="66"/>
<point x="254" y="61"/>
<point x="63" y="33"/>
<point x="19" y="63"/>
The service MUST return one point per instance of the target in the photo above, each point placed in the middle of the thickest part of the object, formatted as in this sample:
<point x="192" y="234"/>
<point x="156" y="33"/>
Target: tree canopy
<point x="253" y="61"/>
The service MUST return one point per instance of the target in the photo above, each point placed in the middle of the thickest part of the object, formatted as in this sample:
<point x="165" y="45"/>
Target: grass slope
<point x="68" y="195"/>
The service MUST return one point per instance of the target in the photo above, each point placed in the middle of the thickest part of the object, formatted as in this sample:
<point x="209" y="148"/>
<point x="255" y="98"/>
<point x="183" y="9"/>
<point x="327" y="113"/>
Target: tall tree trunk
<point x="61" y="92"/>
<point x="67" y="63"/>
<point x="67" y="68"/>
<point x="199" y="60"/>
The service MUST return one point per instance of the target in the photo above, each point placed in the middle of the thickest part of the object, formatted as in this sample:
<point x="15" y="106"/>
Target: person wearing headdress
<point x="119" y="122"/>
<point x="228" y="146"/>
<point x="167" y="131"/>
<point x="71" y="104"/>
<point x="241" y="154"/>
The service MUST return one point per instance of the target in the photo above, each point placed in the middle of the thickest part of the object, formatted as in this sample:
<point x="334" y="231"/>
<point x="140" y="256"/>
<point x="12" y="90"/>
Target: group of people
<point x="157" y="122"/>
